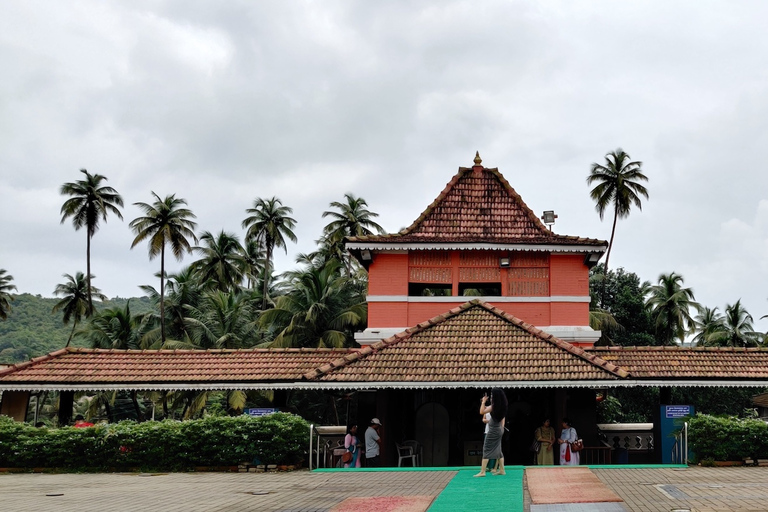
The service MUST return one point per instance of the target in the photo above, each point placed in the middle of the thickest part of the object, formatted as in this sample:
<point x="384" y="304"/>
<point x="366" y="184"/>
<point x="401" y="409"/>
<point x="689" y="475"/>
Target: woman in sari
<point x="545" y="435"/>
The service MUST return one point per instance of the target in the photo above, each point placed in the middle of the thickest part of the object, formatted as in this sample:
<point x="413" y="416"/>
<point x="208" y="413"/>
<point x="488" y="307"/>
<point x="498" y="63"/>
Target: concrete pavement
<point x="643" y="490"/>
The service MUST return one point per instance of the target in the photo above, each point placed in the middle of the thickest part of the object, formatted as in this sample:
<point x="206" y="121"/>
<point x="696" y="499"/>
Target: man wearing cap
<point x="372" y="443"/>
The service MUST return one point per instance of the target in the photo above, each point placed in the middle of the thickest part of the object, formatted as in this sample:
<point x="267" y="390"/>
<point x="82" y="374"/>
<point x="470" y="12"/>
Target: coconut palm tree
<point x="113" y="328"/>
<point x="5" y="293"/>
<point x="222" y="320"/>
<point x="90" y="201"/>
<point x="75" y="298"/>
<point x="737" y="329"/>
<point x="165" y="222"/>
<point x="222" y="263"/>
<point x="269" y="224"/>
<point x="321" y="310"/>
<point x="617" y="188"/>
<point x="671" y="307"/>
<point x="253" y="259"/>
<point x="707" y="324"/>
<point x="350" y="218"/>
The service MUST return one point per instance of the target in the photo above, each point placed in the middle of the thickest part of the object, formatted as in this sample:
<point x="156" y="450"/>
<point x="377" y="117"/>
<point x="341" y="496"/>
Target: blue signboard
<point x="259" y="411"/>
<point x="677" y="411"/>
<point x="672" y="418"/>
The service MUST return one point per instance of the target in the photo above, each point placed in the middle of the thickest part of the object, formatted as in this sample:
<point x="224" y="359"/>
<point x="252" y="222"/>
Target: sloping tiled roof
<point x="478" y="206"/>
<point x="475" y="342"/>
<point x="688" y="363"/>
<point x="94" y="366"/>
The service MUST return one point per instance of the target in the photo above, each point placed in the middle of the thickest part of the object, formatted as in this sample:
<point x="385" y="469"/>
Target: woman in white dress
<point x="568" y="436"/>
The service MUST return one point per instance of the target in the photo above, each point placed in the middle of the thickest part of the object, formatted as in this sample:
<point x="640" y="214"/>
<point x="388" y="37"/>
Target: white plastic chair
<point x="416" y="448"/>
<point x="405" y="453"/>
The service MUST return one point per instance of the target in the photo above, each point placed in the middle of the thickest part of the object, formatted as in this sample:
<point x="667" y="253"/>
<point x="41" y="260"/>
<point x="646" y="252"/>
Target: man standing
<point x="372" y="443"/>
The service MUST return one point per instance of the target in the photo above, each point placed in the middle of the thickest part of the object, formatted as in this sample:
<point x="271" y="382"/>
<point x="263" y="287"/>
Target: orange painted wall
<point x="388" y="275"/>
<point x="570" y="313"/>
<point x="536" y="313"/>
<point x="388" y="314"/>
<point x="568" y="275"/>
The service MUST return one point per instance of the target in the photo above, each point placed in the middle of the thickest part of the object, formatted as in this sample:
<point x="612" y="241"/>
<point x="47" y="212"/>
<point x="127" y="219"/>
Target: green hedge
<point x="277" y="438"/>
<point x="727" y="438"/>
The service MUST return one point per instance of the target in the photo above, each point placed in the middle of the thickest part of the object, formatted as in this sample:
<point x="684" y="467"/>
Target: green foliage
<point x="621" y="294"/>
<point x="727" y="437"/>
<point x="33" y="330"/>
<point x="168" y="445"/>
<point x="609" y="410"/>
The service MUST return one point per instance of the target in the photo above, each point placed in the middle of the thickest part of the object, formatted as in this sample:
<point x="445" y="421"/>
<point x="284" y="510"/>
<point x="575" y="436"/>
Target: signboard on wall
<point x="259" y="411"/>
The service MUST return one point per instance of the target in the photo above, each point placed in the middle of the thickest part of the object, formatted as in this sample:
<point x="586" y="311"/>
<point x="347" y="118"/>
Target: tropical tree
<point x="222" y="320"/>
<point x="113" y="328"/>
<point x="5" y="293"/>
<point x="222" y="263"/>
<point x="75" y="299"/>
<point x="269" y="224"/>
<point x="165" y="222"/>
<point x="253" y="262"/>
<point x="671" y="307"/>
<point x="350" y="218"/>
<point x="90" y="202"/>
<point x="322" y="309"/>
<point x="617" y="188"/>
<point x="707" y="325"/>
<point x="623" y="298"/>
<point x="736" y="328"/>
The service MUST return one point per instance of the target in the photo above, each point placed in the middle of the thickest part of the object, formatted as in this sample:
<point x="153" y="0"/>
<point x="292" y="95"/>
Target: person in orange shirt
<point x="81" y="423"/>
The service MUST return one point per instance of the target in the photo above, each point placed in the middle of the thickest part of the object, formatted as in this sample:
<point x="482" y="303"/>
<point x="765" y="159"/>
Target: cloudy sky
<point x="223" y="102"/>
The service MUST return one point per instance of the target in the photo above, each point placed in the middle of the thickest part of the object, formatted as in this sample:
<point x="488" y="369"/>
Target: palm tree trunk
<point x="74" y="324"/>
<point x="88" y="277"/>
<point x="610" y="244"/>
<point x="162" y="295"/>
<point x="135" y="400"/>
<point x="267" y="266"/>
<point x="607" y="257"/>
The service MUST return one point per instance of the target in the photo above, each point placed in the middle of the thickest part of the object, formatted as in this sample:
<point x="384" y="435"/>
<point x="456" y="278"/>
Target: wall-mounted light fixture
<point x="365" y="254"/>
<point x="504" y="261"/>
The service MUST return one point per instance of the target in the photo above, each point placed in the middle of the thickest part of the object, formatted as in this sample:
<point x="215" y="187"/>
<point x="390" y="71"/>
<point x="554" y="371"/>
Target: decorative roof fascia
<point x="478" y="246"/>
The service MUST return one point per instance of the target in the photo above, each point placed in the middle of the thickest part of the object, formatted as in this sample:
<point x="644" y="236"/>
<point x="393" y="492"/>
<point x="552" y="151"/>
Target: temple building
<point x="476" y="293"/>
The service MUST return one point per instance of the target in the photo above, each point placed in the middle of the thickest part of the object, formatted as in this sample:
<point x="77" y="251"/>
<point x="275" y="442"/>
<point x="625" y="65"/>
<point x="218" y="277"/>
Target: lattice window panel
<point x="529" y="259"/>
<point x="479" y="259"/>
<point x="429" y="258"/>
<point x="480" y="275"/>
<point x="430" y="275"/>
<point x="528" y="275"/>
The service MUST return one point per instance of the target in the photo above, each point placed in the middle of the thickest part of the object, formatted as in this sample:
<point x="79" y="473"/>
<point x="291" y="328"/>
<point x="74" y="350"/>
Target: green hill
<point x="32" y="330"/>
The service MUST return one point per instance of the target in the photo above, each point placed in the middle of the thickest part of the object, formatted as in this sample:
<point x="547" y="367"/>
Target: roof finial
<point x="478" y="160"/>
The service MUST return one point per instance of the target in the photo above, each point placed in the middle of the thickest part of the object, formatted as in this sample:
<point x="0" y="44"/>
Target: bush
<point x="167" y="445"/>
<point x="727" y="437"/>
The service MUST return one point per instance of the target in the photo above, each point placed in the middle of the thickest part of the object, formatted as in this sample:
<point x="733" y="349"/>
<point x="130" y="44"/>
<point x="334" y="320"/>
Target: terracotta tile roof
<point x="688" y="363"/>
<point x="474" y="342"/>
<point x="479" y="205"/>
<point x="92" y="366"/>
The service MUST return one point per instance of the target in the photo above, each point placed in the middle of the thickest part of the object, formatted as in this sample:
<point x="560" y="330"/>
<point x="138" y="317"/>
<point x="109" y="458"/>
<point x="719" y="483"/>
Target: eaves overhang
<point x="476" y="246"/>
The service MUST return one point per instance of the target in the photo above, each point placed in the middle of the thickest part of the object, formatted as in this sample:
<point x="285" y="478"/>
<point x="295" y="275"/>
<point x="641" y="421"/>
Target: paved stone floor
<point x="665" y="489"/>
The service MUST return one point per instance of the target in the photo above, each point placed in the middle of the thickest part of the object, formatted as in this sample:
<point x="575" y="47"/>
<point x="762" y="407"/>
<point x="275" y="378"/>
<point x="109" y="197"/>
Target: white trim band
<point x="462" y="299"/>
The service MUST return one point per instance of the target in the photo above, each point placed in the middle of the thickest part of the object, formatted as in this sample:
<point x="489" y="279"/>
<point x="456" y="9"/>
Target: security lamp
<point x="549" y="217"/>
<point x="365" y="254"/>
<point x="504" y="261"/>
